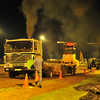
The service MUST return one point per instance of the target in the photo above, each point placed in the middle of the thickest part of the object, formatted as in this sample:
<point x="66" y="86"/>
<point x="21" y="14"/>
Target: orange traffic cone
<point x="93" y="70"/>
<point x="60" y="76"/>
<point x="26" y="82"/>
<point x="36" y="76"/>
<point x="84" y="71"/>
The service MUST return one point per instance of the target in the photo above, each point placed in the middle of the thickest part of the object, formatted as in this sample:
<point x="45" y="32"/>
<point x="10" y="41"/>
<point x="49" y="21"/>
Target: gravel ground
<point x="48" y="85"/>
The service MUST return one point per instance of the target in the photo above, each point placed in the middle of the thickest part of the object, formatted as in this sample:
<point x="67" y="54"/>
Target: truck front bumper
<point x="18" y="69"/>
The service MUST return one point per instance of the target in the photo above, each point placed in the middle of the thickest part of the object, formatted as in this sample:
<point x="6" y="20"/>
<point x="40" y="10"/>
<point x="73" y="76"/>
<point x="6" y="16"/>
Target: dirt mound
<point x="93" y="91"/>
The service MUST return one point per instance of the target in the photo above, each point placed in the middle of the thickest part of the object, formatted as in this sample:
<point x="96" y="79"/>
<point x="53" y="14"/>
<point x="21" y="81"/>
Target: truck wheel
<point x="64" y="70"/>
<point x="11" y="75"/>
<point x="49" y="73"/>
<point x="73" y="70"/>
<point x="97" y="66"/>
<point x="89" y="65"/>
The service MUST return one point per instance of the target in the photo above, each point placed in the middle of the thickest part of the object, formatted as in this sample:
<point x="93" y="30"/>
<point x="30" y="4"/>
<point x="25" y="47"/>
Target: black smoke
<point x="64" y="20"/>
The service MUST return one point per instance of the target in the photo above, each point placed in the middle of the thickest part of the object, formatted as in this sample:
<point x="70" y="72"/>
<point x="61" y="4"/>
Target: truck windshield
<point x="69" y="51"/>
<point x="18" y="46"/>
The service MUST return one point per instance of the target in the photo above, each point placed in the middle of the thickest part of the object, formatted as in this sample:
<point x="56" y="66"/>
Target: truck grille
<point x="18" y="64"/>
<point x="18" y="58"/>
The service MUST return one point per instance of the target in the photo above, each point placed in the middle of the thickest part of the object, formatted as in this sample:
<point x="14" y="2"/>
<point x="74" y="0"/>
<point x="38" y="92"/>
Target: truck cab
<point x="19" y="54"/>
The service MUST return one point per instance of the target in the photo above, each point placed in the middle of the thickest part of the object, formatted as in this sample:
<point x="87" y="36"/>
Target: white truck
<point x="18" y="56"/>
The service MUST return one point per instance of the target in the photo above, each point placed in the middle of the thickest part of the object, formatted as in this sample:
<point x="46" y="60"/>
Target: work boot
<point x="40" y="86"/>
<point x="36" y="83"/>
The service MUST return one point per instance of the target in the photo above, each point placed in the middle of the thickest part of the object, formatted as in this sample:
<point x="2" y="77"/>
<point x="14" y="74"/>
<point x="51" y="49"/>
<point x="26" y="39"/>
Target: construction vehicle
<point x="69" y="54"/>
<point x="93" y="63"/>
<point x="69" y="62"/>
<point x="82" y="61"/>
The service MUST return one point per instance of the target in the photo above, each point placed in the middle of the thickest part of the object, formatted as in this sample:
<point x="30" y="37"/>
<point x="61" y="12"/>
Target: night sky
<point x="64" y="20"/>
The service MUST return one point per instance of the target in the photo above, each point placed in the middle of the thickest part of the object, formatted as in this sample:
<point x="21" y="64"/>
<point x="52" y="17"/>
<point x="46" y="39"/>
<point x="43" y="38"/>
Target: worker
<point x="38" y="65"/>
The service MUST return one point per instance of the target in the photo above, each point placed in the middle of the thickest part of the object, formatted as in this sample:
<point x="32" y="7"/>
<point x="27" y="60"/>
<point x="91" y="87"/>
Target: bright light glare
<point x="42" y="37"/>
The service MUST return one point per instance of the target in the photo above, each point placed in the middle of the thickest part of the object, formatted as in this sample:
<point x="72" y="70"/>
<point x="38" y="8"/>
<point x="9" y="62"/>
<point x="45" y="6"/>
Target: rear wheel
<point x="89" y="66"/>
<point x="11" y="74"/>
<point x="97" y="67"/>
<point x="73" y="70"/>
<point x="49" y="73"/>
<point x="64" y="70"/>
